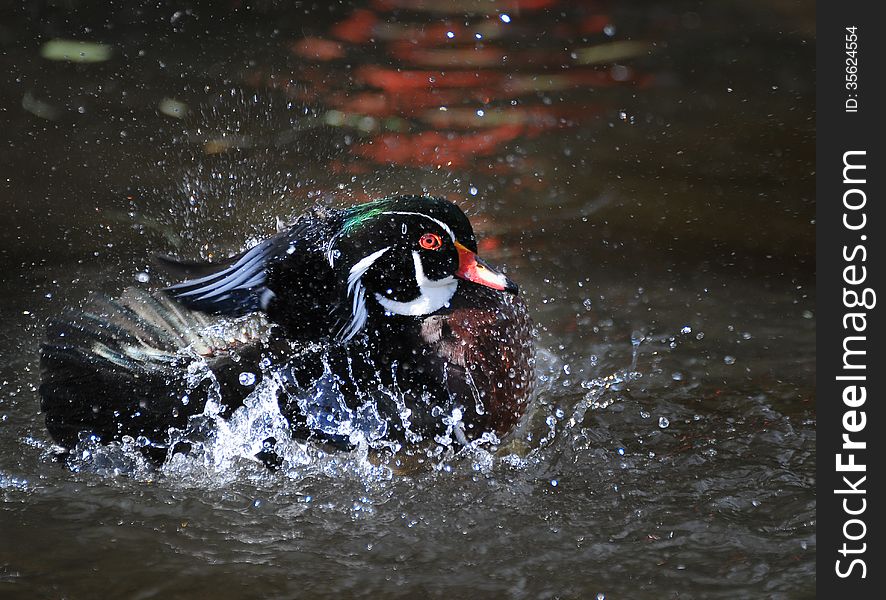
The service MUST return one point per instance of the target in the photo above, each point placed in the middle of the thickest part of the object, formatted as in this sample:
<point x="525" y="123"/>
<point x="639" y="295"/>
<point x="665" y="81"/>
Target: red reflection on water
<point x="427" y="83"/>
<point x="318" y="48"/>
<point x="465" y="6"/>
<point x="357" y="28"/>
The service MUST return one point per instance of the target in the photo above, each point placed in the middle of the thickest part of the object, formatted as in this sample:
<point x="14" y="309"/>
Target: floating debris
<point x="76" y="51"/>
<point x="39" y="108"/>
<point x="173" y="108"/>
<point x="611" y="52"/>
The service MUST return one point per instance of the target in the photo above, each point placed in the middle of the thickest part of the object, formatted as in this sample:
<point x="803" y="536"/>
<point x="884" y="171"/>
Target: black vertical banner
<point x="851" y="372"/>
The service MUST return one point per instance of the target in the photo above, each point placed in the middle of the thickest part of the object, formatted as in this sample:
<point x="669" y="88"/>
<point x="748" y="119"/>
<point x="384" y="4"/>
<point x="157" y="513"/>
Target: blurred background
<point x="644" y="168"/>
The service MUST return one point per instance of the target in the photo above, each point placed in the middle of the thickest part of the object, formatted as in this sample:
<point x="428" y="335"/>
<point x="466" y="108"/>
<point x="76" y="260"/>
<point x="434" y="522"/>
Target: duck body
<point x="377" y="321"/>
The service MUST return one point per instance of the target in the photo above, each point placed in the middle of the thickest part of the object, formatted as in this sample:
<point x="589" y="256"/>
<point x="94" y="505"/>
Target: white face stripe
<point x="433" y="295"/>
<point x="358" y="294"/>
<point x="363" y="265"/>
<point x="421" y="279"/>
<point x="442" y="225"/>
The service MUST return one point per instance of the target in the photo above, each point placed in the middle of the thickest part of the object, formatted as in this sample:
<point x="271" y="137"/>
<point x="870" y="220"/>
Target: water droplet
<point x="554" y="483"/>
<point x="450" y="34"/>
<point x="663" y="422"/>
<point x="142" y="277"/>
<point x="621" y="451"/>
<point x="247" y="379"/>
<point x="686" y="329"/>
<point x="729" y="360"/>
<point x="677" y="376"/>
<point x="504" y="18"/>
<point x="473" y="191"/>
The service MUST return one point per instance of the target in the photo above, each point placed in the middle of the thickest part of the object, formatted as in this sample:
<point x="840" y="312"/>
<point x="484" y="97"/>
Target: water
<point x="657" y="213"/>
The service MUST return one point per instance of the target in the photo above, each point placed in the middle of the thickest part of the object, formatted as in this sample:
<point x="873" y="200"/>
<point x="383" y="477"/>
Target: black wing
<point x="237" y="286"/>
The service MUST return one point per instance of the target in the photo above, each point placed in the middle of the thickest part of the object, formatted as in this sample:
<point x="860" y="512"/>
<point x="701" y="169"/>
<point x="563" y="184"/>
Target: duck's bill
<point x="473" y="268"/>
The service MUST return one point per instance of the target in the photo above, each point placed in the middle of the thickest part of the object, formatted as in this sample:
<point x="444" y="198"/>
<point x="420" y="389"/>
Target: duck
<point x="375" y="322"/>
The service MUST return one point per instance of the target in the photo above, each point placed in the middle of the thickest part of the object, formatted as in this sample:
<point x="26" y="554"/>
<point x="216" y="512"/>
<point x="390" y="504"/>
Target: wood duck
<point x="378" y="320"/>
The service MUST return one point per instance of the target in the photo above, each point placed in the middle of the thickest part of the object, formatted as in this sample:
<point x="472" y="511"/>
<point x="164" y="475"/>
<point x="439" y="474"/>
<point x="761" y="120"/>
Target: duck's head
<point x="407" y="256"/>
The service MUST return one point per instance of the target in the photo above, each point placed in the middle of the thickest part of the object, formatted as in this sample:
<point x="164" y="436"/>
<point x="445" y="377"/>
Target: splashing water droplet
<point x="729" y="360"/>
<point x="247" y="379"/>
<point x="663" y="422"/>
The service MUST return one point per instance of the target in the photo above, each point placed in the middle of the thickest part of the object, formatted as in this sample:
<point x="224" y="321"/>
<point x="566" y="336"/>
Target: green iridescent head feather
<point x="359" y="215"/>
<point x="354" y="218"/>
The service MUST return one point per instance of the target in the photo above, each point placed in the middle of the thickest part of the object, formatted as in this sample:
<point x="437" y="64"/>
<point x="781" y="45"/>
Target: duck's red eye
<point x="430" y="241"/>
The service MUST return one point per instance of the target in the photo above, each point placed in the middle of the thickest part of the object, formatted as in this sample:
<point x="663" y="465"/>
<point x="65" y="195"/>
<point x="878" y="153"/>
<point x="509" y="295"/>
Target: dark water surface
<point x="643" y="168"/>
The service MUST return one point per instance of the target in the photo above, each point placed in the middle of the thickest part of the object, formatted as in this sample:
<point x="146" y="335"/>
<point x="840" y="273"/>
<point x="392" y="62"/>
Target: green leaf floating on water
<point x="75" y="51"/>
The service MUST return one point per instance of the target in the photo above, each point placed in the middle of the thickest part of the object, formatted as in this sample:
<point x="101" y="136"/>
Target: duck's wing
<point x="288" y="277"/>
<point x="237" y="286"/>
<point x="120" y="366"/>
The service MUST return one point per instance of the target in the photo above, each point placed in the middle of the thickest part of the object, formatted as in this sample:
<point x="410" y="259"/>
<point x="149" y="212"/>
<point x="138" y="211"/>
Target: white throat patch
<point x="434" y="294"/>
